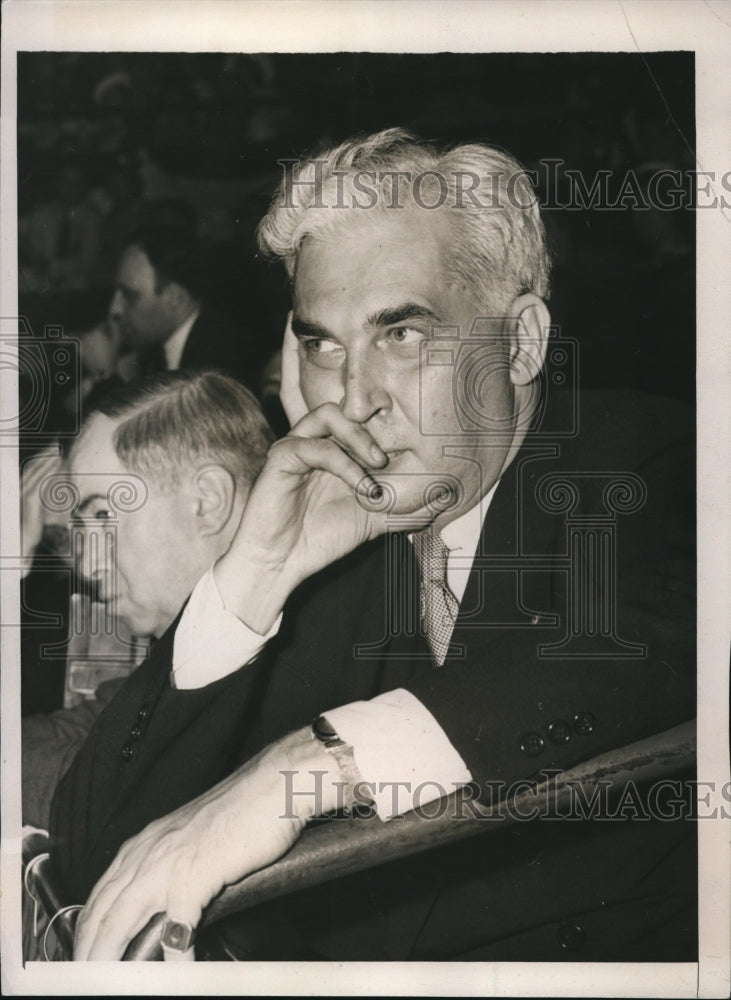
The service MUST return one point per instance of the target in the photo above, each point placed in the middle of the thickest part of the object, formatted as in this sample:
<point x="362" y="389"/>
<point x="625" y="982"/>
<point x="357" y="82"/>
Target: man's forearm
<point x="177" y="864"/>
<point x="254" y="592"/>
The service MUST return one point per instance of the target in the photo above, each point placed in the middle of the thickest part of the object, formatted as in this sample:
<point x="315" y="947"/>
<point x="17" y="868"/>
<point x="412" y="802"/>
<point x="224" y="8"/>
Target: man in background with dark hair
<point x="159" y="304"/>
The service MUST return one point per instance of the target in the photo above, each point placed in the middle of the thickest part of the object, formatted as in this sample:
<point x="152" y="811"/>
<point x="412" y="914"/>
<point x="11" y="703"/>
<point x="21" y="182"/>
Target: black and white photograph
<point x="365" y="523"/>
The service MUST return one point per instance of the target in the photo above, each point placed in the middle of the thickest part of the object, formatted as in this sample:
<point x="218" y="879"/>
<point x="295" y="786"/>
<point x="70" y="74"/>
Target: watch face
<point x="323" y="730"/>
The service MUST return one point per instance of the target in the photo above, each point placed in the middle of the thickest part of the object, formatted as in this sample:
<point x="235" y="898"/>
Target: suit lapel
<point x="509" y="585"/>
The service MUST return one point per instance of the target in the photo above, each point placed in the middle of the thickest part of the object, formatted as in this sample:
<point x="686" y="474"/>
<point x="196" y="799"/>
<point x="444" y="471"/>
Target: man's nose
<point x="94" y="551"/>
<point x="365" y="392"/>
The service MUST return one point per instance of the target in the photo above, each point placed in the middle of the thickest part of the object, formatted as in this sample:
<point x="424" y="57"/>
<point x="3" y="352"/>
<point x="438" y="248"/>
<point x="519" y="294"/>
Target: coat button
<point x="127" y="751"/>
<point x="532" y="744"/>
<point x="136" y="731"/>
<point x="559" y="732"/>
<point x="584" y="723"/>
<point x="571" y="937"/>
<point x="143" y="713"/>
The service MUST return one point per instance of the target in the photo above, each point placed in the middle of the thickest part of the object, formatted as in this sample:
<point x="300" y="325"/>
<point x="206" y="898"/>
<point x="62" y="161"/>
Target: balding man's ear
<point x="215" y="489"/>
<point x="529" y="337"/>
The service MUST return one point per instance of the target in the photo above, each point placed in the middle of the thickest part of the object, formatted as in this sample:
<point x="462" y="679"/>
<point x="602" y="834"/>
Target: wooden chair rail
<point x="340" y="847"/>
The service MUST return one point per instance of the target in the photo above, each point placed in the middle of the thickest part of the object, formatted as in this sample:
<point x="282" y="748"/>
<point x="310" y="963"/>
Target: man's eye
<point x="102" y="515"/>
<point x="320" y="346"/>
<point x="406" y="335"/>
<point x="323" y="353"/>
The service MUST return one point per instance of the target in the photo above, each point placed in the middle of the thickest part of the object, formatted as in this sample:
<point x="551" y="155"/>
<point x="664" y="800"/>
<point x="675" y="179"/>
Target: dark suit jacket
<point x="217" y="340"/>
<point x="510" y="711"/>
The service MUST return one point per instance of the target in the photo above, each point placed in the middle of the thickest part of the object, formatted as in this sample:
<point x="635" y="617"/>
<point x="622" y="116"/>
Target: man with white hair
<point x="401" y="574"/>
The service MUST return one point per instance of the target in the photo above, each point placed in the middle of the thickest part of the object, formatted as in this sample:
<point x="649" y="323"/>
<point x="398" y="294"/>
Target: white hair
<point x="499" y="248"/>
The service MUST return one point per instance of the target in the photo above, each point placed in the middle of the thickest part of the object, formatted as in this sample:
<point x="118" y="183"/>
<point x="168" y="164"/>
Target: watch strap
<point x="325" y="734"/>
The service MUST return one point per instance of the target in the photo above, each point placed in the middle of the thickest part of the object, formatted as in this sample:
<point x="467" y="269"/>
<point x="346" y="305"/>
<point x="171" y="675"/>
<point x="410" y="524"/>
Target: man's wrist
<point x="313" y="780"/>
<point x="342" y="752"/>
<point x="256" y="598"/>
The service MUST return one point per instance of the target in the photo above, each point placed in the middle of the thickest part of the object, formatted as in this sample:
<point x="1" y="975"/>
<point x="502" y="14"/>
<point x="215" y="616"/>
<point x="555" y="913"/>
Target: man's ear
<point x="530" y="320"/>
<point x="215" y="492"/>
<point x="177" y="298"/>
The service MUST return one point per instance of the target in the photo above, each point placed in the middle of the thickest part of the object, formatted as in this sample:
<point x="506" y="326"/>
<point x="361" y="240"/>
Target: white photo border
<point x="415" y="26"/>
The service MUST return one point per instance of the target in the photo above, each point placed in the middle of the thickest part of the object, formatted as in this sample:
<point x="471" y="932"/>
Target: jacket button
<point x="136" y="731"/>
<point x="532" y="744"/>
<point x="143" y="713"/>
<point x="127" y="751"/>
<point x="559" y="732"/>
<point x="584" y="723"/>
<point x="571" y="937"/>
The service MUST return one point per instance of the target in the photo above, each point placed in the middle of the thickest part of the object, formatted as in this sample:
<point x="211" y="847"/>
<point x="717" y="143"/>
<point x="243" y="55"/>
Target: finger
<point x="102" y="900"/>
<point x="290" y="393"/>
<point x="93" y="917"/>
<point x="300" y="455"/>
<point x="378" y="507"/>
<point x="184" y="913"/>
<point x="328" y="420"/>
<point x="177" y="954"/>
<point x="120" y="915"/>
<point x="115" y="919"/>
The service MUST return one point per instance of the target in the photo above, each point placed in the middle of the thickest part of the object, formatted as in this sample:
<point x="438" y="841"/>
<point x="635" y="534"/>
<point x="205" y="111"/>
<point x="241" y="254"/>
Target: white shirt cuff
<point x="211" y="642"/>
<point x="401" y="751"/>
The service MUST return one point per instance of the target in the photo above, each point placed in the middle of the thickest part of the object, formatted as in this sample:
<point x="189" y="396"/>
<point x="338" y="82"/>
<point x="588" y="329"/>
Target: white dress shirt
<point x="401" y="751"/>
<point x="175" y="344"/>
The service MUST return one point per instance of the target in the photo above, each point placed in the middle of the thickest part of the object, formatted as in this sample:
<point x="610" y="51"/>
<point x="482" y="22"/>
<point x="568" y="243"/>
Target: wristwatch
<point x="325" y="734"/>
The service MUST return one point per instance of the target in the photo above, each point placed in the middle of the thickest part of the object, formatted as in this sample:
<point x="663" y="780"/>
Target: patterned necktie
<point x="439" y="606"/>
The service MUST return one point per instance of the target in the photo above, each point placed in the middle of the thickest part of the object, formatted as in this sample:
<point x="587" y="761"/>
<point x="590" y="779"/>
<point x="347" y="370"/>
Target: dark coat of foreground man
<point x="621" y="889"/>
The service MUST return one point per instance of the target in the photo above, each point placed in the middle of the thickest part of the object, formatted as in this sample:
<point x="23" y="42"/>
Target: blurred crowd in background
<point x="111" y="142"/>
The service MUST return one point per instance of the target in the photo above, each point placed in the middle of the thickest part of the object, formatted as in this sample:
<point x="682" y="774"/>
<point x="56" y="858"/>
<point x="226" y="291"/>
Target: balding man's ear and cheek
<point x="529" y="322"/>
<point x="215" y="498"/>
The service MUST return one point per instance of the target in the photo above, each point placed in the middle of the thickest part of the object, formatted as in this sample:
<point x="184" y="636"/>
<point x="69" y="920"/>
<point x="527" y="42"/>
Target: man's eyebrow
<point x="389" y="316"/>
<point x="87" y="502"/>
<point x="393" y="315"/>
<point x="304" y="328"/>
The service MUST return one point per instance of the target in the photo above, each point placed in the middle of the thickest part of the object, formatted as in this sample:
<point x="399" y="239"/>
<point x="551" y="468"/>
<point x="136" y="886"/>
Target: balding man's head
<point x="163" y="468"/>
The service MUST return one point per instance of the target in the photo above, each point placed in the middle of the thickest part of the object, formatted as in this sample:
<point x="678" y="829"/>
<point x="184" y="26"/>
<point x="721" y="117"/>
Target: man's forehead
<point x="404" y="250"/>
<point x="408" y="224"/>
<point x="94" y="452"/>
<point x="135" y="268"/>
<point x="98" y="473"/>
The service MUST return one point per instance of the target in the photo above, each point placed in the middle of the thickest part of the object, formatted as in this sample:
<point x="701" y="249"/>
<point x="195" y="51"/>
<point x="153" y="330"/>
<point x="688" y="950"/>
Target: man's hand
<point x="314" y="502"/>
<point x="177" y="864"/>
<point x="290" y="394"/>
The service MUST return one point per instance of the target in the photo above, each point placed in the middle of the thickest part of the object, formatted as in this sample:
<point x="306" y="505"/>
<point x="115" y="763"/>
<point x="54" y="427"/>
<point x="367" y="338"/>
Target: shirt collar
<point x="462" y="534"/>
<point x="175" y="344"/>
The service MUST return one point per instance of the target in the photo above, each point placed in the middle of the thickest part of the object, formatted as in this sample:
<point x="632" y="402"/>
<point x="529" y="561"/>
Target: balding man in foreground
<point x="186" y="448"/>
<point x="401" y="574"/>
